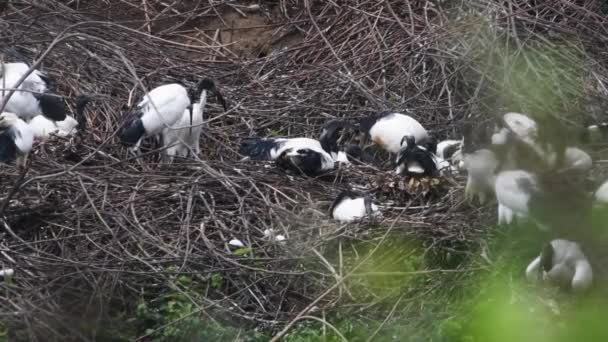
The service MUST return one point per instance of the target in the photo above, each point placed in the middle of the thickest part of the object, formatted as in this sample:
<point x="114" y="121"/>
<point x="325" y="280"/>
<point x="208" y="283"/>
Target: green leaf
<point x="216" y="280"/>
<point x="242" y="251"/>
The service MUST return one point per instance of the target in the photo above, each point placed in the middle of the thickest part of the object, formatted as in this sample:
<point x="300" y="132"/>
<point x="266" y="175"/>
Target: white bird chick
<point x="575" y="160"/>
<point x="564" y="264"/>
<point x="523" y="127"/>
<point x="349" y="206"/>
<point x="387" y="130"/>
<point x="31" y="98"/>
<point x="549" y="203"/>
<point x="16" y="139"/>
<point x="481" y="166"/>
<point x="416" y="160"/>
<point x="329" y="139"/>
<point x="43" y="127"/>
<point x="184" y="135"/>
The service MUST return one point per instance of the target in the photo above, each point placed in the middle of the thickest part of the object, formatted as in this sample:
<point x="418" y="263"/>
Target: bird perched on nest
<point x="350" y="206"/>
<point x="387" y="130"/>
<point x="184" y="136"/>
<point x="16" y="139"/>
<point x="43" y="127"/>
<point x="415" y="160"/>
<point x="330" y="136"/>
<point x="449" y="150"/>
<point x="31" y="97"/>
<point x="301" y="155"/>
<point x="562" y="263"/>
<point x="160" y="108"/>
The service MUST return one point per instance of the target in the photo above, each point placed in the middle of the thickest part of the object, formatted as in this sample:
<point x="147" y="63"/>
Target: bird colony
<point x="508" y="161"/>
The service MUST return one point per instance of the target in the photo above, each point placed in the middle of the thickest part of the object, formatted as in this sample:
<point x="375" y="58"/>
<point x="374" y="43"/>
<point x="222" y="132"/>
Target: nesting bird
<point x="349" y="206"/>
<point x="31" y="97"/>
<point x="183" y="137"/>
<point x="564" y="264"/>
<point x="302" y="155"/>
<point x="42" y="127"/>
<point x="329" y="139"/>
<point x="387" y="130"/>
<point x="415" y="160"/>
<point x="16" y="139"/>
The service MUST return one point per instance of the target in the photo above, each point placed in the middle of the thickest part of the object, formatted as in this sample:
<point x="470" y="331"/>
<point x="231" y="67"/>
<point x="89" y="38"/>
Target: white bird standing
<point x="184" y="136"/>
<point x="162" y="107"/>
<point x="562" y="263"/>
<point x="16" y="139"/>
<point x="387" y="130"/>
<point x="31" y="97"/>
<point x="349" y="206"/>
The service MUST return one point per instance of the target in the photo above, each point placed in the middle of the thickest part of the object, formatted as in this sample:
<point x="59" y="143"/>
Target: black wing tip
<point x="53" y="107"/>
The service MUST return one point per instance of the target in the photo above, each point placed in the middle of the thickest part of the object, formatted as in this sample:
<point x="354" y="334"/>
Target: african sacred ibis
<point x="43" y="127"/>
<point x="415" y="160"/>
<point x="387" y="130"/>
<point x="184" y="135"/>
<point x="562" y="263"/>
<point x="31" y="97"/>
<point x="301" y="155"/>
<point x="349" y="206"/>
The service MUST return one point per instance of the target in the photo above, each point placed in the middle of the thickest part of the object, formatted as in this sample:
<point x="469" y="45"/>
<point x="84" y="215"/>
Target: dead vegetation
<point x="88" y="229"/>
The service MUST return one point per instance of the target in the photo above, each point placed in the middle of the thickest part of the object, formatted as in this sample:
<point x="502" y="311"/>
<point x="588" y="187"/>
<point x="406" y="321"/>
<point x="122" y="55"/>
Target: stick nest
<point x="88" y="228"/>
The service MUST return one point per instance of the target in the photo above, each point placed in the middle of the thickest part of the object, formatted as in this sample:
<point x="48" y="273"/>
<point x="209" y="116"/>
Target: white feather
<point x="390" y="129"/>
<point x="510" y="194"/>
<point x="340" y="157"/>
<point x="350" y="209"/>
<point x="236" y="243"/>
<point x="445" y="144"/>
<point x="42" y="127"/>
<point x="23" y="103"/>
<point x="178" y="137"/>
<point x="163" y="106"/>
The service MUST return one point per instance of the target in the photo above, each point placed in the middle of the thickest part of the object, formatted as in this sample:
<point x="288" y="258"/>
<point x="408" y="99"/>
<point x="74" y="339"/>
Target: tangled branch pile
<point x="87" y="228"/>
